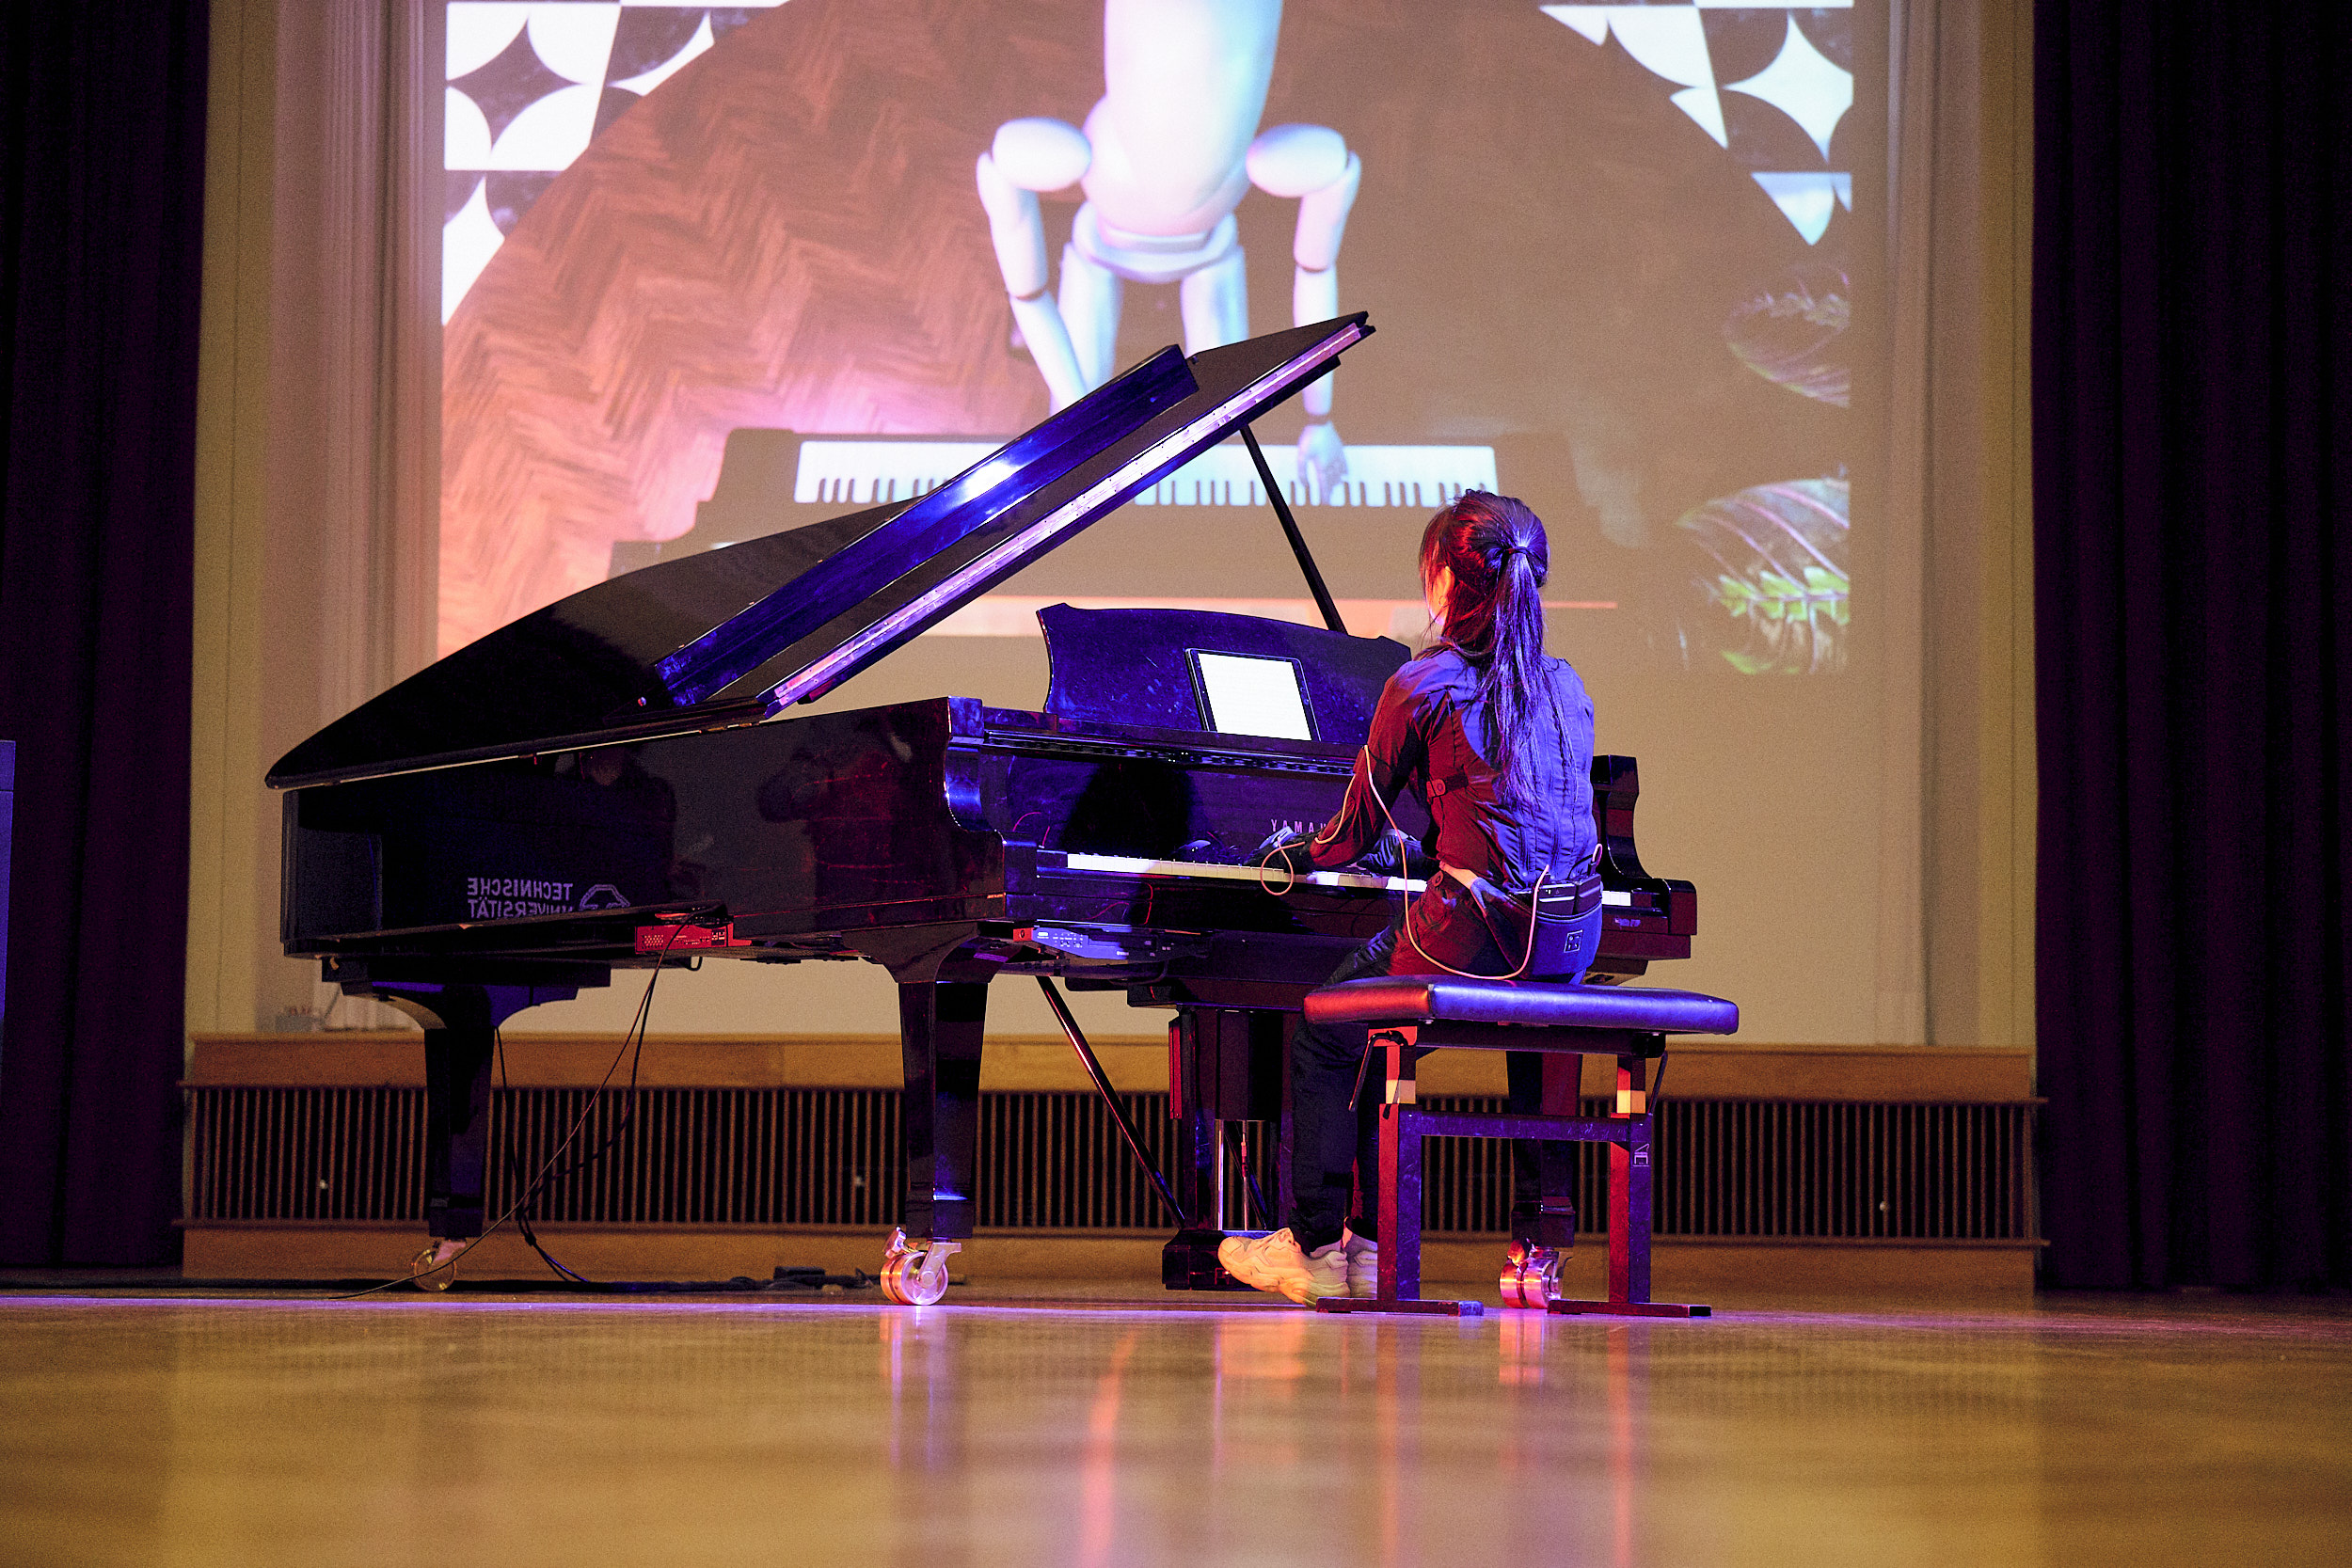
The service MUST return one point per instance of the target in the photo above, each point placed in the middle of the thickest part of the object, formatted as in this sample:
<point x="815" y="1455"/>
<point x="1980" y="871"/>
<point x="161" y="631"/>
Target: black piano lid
<point x="733" y="637"/>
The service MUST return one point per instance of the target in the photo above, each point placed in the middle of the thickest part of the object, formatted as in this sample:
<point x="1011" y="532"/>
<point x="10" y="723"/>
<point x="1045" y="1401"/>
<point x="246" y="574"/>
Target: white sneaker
<point x="1363" y="1266"/>
<point x="1277" y="1263"/>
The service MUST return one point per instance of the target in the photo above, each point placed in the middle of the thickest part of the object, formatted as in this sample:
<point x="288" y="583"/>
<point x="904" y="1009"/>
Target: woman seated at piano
<point x="1496" y="738"/>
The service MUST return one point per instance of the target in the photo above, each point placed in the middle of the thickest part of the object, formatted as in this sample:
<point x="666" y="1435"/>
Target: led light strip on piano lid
<point x="1131" y="867"/>
<point x="820" y="675"/>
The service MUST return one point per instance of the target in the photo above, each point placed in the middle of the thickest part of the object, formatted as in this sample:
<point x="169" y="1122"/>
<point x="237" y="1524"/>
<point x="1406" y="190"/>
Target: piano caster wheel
<point x="436" y="1267"/>
<point x="914" y="1273"/>
<point x="1531" y="1275"/>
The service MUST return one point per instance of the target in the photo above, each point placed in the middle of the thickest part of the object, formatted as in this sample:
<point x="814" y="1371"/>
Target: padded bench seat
<point x="1425" y="999"/>
<point x="1408" y="1014"/>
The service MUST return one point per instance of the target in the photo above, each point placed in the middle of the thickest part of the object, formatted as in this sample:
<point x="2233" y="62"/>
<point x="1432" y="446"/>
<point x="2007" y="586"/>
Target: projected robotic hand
<point x="1163" y="159"/>
<point x="1322" y="460"/>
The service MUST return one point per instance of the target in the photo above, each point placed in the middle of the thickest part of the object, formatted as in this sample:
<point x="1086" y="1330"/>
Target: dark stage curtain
<point x="101" y="175"/>
<point x="2192" y="408"/>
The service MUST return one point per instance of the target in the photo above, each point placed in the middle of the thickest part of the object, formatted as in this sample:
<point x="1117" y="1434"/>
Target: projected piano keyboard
<point x="867" y="473"/>
<point x="839" y="473"/>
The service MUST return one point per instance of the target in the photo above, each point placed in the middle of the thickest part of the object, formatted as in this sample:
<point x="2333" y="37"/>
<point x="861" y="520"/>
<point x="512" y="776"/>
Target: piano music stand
<point x="1410" y="1014"/>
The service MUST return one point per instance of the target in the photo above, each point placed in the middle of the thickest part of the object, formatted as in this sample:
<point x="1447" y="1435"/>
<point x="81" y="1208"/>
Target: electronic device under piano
<point x="615" y="782"/>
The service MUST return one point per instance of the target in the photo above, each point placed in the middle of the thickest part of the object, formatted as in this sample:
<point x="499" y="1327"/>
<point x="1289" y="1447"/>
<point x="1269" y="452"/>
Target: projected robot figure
<point x="1163" y="159"/>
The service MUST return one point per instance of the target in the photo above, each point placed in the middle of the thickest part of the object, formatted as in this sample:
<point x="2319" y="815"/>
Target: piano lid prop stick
<point x="1110" y="1096"/>
<point x="1290" y="530"/>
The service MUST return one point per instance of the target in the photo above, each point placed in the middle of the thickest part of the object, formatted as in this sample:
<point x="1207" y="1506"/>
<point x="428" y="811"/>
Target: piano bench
<point x="1407" y="1014"/>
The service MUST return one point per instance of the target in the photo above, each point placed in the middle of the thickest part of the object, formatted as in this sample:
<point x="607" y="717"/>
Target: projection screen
<point x="713" y="272"/>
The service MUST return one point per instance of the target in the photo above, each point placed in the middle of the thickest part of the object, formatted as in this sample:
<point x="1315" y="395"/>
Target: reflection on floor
<point x="1114" y="1427"/>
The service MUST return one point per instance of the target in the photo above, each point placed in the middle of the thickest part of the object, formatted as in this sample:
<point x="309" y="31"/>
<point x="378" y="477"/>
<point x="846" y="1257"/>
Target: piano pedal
<point x="436" y="1267"/>
<point x="914" y="1271"/>
<point x="1531" y="1275"/>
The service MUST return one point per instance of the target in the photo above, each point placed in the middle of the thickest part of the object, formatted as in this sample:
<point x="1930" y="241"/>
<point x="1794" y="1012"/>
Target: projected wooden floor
<point x="660" y="294"/>
<point x="473" y="1428"/>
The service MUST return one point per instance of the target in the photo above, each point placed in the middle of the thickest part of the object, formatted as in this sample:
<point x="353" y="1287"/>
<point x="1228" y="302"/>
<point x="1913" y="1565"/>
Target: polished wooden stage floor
<point x="1056" y="1424"/>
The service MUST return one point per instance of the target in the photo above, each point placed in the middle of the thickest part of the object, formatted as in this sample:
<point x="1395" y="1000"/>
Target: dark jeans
<point x="1335" y="1151"/>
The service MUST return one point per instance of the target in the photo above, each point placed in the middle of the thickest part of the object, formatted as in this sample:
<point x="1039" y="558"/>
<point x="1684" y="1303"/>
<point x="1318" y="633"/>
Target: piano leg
<point x="1225" y="1065"/>
<point x="457" y="1146"/>
<point x="1543" y="1231"/>
<point x="939" y="1028"/>
<point x="461" y="1025"/>
<point x="1195" y="1167"/>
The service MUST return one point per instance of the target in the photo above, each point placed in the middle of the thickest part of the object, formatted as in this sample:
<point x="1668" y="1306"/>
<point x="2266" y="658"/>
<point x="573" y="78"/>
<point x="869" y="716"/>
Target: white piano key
<point x="867" y="473"/>
<point x="851" y="472"/>
<point x="1130" y="866"/>
<point x="1015" y="614"/>
<point x="1420" y="478"/>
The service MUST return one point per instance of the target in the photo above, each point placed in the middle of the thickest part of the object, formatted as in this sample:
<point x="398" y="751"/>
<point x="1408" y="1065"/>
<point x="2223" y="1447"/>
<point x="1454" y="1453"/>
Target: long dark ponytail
<point x="1496" y="548"/>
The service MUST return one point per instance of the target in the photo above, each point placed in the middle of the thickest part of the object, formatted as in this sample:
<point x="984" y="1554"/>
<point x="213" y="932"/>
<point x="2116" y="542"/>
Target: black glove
<point x="1285" y="842"/>
<point x="1394" y="855"/>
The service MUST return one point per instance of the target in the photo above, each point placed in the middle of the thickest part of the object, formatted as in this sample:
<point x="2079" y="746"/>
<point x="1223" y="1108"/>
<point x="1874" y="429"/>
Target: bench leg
<point x="1630" y="1189"/>
<point x="1400" y="1196"/>
<point x="1630" y="1178"/>
<point x="1400" y="1181"/>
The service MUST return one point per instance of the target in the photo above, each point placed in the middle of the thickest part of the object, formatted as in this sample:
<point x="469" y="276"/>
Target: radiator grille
<point x="1773" y="1168"/>
<point x="1054" y="1161"/>
<point x="1799" y="1168"/>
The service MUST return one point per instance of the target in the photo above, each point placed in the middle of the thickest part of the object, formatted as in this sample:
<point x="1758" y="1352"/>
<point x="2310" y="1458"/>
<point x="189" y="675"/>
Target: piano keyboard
<point x="1420" y="478"/>
<point x="839" y="473"/>
<point x="1128" y="865"/>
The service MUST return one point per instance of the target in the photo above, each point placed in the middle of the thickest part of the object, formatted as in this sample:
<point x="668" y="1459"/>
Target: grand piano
<point x="616" y="782"/>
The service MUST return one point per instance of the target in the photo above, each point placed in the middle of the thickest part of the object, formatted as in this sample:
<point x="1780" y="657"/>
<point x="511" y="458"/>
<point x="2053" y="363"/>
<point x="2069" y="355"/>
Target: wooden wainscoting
<point x="1783" y="1169"/>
